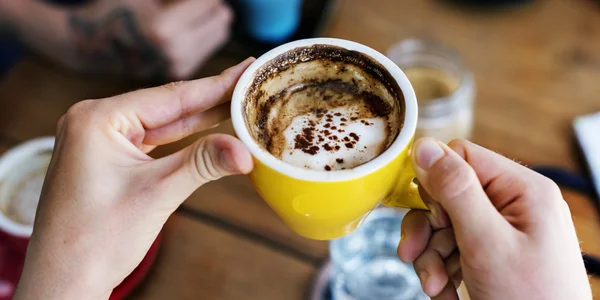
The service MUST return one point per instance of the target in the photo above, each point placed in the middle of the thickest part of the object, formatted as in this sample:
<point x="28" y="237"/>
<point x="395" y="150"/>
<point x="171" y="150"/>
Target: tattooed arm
<point x="133" y="37"/>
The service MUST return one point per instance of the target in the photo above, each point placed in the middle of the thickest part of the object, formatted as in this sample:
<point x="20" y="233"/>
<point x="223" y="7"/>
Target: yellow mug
<point x="326" y="205"/>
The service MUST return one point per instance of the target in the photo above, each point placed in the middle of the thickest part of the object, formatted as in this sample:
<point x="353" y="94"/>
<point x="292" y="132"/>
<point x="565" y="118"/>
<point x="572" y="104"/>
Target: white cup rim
<point x="262" y="155"/>
<point x="9" y="160"/>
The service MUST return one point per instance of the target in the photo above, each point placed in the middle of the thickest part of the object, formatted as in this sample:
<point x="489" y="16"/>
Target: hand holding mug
<point x="500" y="226"/>
<point x="105" y="200"/>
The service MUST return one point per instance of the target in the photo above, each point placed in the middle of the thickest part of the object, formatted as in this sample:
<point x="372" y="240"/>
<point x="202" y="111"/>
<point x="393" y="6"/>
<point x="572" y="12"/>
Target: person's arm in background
<point x="133" y="37"/>
<point x="41" y="26"/>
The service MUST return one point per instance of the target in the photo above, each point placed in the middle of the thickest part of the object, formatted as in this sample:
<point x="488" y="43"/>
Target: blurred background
<point x="510" y="75"/>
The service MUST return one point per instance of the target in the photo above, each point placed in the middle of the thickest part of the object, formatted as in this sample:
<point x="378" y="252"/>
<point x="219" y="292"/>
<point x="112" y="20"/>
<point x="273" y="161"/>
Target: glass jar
<point x="445" y="89"/>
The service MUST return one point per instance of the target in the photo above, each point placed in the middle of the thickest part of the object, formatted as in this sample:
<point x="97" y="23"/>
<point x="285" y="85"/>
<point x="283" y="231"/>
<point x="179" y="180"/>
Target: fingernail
<point x="250" y="58"/>
<point x="428" y="152"/>
<point x="423" y="277"/>
<point x="227" y="161"/>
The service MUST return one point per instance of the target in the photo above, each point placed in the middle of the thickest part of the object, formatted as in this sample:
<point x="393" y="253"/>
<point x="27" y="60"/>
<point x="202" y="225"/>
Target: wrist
<point x="50" y="276"/>
<point x="53" y="290"/>
<point x="53" y="287"/>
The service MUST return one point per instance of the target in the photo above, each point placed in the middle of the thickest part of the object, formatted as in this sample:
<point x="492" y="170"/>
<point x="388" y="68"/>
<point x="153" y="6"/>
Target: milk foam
<point x="334" y="140"/>
<point x="25" y="200"/>
<point x="20" y="192"/>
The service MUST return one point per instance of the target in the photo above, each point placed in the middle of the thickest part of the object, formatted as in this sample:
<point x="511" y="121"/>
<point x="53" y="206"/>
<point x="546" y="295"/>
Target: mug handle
<point x="406" y="191"/>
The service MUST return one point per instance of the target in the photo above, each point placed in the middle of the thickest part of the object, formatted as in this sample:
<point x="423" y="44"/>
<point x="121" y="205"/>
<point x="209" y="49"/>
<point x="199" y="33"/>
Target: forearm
<point x="51" y="288"/>
<point x="47" y="276"/>
<point x="40" y="26"/>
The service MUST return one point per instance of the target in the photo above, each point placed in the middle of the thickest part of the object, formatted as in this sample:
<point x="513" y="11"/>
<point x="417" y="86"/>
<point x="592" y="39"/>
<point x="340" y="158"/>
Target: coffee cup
<point x="327" y="203"/>
<point x="22" y="171"/>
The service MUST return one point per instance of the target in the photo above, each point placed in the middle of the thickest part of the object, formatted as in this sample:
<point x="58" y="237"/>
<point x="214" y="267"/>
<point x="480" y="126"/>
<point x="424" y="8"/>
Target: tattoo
<point x="115" y="44"/>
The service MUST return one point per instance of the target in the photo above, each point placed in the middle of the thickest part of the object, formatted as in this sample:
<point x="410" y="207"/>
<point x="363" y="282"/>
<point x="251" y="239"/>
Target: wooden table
<point x="536" y="68"/>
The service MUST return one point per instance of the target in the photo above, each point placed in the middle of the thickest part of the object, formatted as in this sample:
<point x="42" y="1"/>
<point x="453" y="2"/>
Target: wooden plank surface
<point x="536" y="67"/>
<point x="198" y="261"/>
<point x="34" y="94"/>
<point x="587" y="224"/>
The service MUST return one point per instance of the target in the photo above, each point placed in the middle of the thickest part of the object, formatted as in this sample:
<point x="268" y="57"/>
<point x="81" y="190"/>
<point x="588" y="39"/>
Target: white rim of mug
<point x="399" y="144"/>
<point x="11" y="159"/>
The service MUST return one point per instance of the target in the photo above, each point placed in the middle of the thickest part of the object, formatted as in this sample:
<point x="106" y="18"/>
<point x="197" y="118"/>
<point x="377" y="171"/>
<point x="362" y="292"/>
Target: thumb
<point x="210" y="158"/>
<point x="452" y="182"/>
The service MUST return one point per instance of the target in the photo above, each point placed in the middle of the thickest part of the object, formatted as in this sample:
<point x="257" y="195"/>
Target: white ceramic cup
<point x="15" y="166"/>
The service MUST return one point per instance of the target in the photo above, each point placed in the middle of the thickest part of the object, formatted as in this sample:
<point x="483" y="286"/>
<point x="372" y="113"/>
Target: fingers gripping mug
<point x="330" y="125"/>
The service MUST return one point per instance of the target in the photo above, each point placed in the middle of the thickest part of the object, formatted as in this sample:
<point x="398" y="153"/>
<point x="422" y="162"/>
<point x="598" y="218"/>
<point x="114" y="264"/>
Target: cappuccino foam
<point x="335" y="141"/>
<point x="20" y="191"/>
<point x="324" y="108"/>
